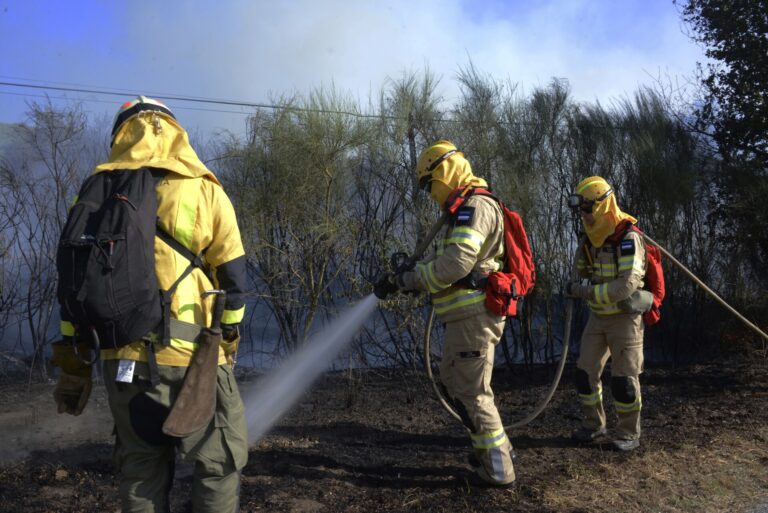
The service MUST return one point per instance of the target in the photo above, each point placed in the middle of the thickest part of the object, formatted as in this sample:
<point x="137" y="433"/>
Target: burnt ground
<point x="379" y="441"/>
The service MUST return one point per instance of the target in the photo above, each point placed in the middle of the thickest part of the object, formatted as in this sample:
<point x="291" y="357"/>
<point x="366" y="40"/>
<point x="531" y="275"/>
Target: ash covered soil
<point x="371" y="441"/>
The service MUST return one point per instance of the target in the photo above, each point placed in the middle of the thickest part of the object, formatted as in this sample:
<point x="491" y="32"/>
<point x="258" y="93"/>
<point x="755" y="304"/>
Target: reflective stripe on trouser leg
<point x="495" y="448"/>
<point x="625" y="336"/>
<point x="628" y="413"/>
<point x="593" y="356"/>
<point x="592" y="407"/>
<point x="466" y="370"/>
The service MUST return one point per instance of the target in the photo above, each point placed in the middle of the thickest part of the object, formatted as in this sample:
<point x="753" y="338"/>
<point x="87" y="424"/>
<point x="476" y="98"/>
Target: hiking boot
<point x="481" y="478"/>
<point x="625" y="445"/>
<point x="586" y="435"/>
<point x="474" y="462"/>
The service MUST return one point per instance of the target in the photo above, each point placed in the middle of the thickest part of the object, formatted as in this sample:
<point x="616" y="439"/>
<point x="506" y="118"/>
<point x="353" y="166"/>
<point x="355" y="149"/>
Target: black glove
<point x="385" y="285"/>
<point x="230" y="332"/>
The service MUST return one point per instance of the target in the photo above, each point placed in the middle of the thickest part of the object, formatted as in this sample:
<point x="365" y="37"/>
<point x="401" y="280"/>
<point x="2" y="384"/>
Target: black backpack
<point x="106" y="260"/>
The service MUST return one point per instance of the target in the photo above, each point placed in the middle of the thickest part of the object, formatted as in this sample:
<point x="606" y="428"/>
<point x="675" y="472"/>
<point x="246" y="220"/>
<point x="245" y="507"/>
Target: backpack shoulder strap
<point x="195" y="260"/>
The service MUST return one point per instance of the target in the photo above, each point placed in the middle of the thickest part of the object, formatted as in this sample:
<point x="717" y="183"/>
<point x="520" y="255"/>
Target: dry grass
<point x="728" y="474"/>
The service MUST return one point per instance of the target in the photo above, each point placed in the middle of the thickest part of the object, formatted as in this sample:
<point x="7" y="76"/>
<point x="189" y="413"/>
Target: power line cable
<point x="253" y="105"/>
<point x="198" y="100"/>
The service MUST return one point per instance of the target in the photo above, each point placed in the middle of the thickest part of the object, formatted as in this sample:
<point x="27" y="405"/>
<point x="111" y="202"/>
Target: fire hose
<point x="706" y="289"/>
<point x="540" y="406"/>
<point x="566" y="332"/>
<point x="401" y="261"/>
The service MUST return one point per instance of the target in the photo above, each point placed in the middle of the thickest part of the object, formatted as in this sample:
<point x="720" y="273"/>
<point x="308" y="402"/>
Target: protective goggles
<point x="577" y="201"/>
<point x="427" y="178"/>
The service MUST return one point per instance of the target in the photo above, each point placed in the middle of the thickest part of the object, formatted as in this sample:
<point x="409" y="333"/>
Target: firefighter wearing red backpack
<point x="195" y="213"/>
<point x="472" y="249"/>
<point x="613" y="258"/>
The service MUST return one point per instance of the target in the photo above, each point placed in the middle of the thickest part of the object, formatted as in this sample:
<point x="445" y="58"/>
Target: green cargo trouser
<point x="145" y="457"/>
<point x="465" y="371"/>
<point x="620" y="338"/>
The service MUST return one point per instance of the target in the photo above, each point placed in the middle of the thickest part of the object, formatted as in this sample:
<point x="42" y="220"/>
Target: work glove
<point x="230" y="334"/>
<point x="406" y="283"/>
<point x="74" y="385"/>
<point x="385" y="286"/>
<point x="577" y="290"/>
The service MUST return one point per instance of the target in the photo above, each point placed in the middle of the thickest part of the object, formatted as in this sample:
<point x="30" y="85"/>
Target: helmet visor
<point x="577" y="201"/>
<point x="440" y="160"/>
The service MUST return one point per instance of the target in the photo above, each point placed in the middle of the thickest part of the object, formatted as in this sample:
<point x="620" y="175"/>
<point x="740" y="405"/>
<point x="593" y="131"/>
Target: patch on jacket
<point x="469" y="354"/>
<point x="627" y="247"/>
<point x="464" y="216"/>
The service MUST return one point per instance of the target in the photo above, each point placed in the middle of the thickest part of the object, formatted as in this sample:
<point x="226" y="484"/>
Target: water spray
<point x="279" y="390"/>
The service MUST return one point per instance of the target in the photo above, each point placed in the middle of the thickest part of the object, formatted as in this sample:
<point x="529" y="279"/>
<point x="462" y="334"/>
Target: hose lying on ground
<point x="545" y="400"/>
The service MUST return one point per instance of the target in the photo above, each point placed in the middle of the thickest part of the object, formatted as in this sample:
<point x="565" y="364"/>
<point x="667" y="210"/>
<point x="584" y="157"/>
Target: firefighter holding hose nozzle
<point x="456" y="277"/>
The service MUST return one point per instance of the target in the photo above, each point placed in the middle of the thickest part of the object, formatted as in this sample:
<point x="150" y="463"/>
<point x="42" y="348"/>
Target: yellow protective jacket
<point x="615" y="270"/>
<point x="473" y="241"/>
<point x="195" y="210"/>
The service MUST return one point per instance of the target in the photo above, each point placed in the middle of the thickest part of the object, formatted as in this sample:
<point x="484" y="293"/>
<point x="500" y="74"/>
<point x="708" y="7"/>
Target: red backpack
<point x="504" y="288"/>
<point x="654" y="273"/>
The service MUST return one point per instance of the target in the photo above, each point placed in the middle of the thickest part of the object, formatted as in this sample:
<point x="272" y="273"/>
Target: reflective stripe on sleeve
<point x="601" y="294"/>
<point x="233" y="316"/>
<point x="427" y="274"/>
<point x="626" y="262"/>
<point x="67" y="329"/>
<point x="466" y="235"/>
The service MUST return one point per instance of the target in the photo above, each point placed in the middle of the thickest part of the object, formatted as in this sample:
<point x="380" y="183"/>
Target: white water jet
<point x="274" y="394"/>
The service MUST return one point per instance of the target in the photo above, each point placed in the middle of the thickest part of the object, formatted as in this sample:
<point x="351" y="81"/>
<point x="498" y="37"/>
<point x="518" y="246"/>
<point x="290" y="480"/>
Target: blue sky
<point x="255" y="51"/>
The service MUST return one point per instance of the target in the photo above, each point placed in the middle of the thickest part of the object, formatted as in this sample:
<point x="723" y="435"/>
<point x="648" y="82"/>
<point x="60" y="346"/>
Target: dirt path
<point x="380" y="442"/>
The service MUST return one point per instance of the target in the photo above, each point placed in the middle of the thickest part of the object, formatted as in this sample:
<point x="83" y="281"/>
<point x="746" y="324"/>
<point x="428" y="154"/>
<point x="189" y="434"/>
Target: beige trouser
<point x="465" y="372"/>
<point x="145" y="457"/>
<point x="619" y="337"/>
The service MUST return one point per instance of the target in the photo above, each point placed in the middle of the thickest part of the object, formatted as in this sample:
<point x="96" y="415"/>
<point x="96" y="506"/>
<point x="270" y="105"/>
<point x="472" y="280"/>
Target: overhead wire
<point x="193" y="99"/>
<point x="104" y="90"/>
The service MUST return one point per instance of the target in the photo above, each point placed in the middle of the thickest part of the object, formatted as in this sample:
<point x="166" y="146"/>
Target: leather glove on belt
<point x="71" y="393"/>
<point x="74" y="386"/>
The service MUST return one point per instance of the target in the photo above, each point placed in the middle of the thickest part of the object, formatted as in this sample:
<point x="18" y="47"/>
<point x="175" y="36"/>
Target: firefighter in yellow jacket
<point x="612" y="258"/>
<point x="195" y="211"/>
<point x="473" y="246"/>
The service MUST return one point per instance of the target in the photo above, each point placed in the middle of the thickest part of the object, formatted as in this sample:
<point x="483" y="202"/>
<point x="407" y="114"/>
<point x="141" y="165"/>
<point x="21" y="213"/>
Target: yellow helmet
<point x="133" y="107"/>
<point x="433" y="156"/>
<point x="589" y="191"/>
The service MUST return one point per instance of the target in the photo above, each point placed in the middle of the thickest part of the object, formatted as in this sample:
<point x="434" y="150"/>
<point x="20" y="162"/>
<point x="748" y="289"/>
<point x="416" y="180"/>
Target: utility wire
<point x="198" y="100"/>
<point x="95" y="100"/>
<point x="253" y="105"/>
